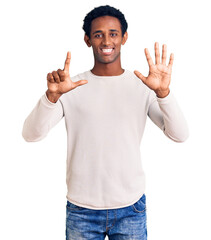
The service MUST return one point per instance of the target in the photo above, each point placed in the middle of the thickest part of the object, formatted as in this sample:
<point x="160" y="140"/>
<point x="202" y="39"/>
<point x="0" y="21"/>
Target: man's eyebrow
<point x="99" y="31"/>
<point x="114" y="30"/>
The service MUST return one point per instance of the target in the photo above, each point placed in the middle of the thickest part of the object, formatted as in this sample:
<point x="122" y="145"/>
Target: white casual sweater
<point x="105" y="121"/>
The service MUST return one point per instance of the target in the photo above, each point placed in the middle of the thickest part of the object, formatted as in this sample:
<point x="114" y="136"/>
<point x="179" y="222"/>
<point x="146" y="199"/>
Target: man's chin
<point x="107" y="61"/>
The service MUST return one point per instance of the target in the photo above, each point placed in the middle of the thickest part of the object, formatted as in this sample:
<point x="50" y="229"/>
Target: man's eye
<point x="113" y="34"/>
<point x="98" y="35"/>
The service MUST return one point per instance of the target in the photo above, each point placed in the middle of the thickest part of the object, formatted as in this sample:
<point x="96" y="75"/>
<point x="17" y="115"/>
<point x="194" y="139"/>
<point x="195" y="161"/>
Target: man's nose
<point x="106" y="40"/>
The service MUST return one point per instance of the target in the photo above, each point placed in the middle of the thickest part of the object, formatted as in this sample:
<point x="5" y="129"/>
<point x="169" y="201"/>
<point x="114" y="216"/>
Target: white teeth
<point x="107" y="50"/>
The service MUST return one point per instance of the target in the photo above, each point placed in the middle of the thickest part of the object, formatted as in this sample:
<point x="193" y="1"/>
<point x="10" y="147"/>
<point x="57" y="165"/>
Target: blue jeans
<point x="120" y="223"/>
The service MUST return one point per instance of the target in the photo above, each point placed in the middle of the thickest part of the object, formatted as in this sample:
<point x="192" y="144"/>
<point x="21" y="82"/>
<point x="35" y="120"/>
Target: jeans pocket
<point x="140" y="205"/>
<point x="73" y="207"/>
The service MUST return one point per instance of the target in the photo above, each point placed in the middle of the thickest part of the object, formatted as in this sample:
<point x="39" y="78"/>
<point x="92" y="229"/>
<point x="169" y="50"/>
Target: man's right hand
<point x="59" y="82"/>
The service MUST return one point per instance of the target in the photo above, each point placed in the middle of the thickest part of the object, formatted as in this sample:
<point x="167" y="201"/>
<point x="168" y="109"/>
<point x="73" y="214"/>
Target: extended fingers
<point x="164" y="51"/>
<point x="67" y="62"/>
<point x="157" y="53"/>
<point x="148" y="57"/>
<point x="164" y="55"/>
<point x="171" y="60"/>
<point x="140" y="76"/>
<point x="79" y="83"/>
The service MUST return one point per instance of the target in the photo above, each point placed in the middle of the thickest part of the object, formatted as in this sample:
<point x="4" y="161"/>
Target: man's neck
<point x="107" y="70"/>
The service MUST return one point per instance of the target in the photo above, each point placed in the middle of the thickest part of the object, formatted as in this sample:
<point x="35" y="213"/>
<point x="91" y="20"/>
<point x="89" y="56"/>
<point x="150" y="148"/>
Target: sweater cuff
<point x="166" y="99"/>
<point x="47" y="103"/>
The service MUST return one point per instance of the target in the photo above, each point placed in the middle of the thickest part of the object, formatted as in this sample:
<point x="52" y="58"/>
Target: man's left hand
<point x="159" y="76"/>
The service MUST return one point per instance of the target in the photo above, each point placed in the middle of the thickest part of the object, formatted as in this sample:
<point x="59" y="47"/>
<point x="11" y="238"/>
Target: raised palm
<point x="159" y="76"/>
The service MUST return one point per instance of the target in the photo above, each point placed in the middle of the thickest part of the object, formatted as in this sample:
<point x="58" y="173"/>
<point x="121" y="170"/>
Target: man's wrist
<point x="162" y="94"/>
<point x="53" y="97"/>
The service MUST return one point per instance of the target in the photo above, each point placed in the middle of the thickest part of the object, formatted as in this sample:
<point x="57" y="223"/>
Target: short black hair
<point x="104" y="11"/>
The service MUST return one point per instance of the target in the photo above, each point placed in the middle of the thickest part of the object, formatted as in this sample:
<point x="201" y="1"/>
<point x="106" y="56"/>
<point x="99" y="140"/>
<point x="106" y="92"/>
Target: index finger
<point x="148" y="57"/>
<point x="67" y="62"/>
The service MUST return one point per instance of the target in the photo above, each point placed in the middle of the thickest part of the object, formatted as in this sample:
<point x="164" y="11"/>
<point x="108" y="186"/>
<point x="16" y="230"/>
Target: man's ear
<point x="124" y="39"/>
<point x="87" y="40"/>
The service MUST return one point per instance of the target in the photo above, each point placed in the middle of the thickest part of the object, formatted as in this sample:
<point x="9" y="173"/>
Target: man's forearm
<point x="42" y="118"/>
<point x="167" y="115"/>
<point x="174" y="121"/>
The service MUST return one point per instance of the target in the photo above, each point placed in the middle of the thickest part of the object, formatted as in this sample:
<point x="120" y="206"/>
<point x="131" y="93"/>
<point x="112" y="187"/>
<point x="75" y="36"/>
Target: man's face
<point x="106" y="39"/>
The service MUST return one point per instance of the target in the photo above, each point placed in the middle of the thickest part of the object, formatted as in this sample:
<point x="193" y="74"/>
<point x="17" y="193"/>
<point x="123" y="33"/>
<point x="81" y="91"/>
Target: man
<point x="105" y="120"/>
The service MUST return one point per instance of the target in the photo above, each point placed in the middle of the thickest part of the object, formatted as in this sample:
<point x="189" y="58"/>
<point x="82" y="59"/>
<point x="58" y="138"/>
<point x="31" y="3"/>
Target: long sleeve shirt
<point x="105" y="121"/>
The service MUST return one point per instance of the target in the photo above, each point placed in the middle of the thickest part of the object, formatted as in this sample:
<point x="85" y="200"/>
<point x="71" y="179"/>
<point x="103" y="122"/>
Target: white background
<point x="35" y="37"/>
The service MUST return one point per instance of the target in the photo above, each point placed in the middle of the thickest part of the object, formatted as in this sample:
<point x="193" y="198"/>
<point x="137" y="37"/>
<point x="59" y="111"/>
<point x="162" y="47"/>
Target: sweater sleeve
<point x="167" y="115"/>
<point x="43" y="117"/>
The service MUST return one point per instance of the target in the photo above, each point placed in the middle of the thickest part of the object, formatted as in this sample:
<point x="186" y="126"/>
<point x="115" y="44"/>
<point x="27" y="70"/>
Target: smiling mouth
<point x="107" y="51"/>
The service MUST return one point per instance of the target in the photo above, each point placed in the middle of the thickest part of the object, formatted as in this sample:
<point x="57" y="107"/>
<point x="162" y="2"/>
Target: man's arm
<point x="167" y="115"/>
<point x="49" y="110"/>
<point x="42" y="118"/>
<point x="163" y="109"/>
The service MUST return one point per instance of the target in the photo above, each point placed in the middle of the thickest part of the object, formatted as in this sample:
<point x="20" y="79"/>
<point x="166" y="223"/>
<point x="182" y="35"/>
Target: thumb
<point x="79" y="83"/>
<point x="140" y="76"/>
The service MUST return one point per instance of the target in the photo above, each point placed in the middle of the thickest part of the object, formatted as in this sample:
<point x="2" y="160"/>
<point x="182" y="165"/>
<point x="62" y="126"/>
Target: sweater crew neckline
<point x="107" y="77"/>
